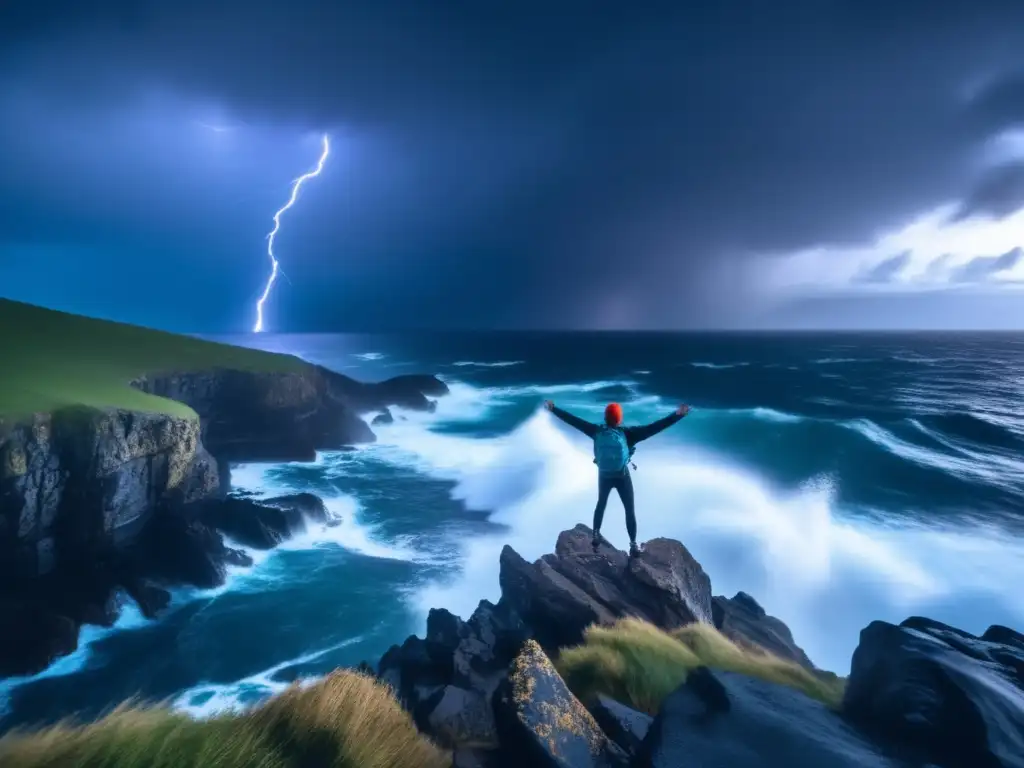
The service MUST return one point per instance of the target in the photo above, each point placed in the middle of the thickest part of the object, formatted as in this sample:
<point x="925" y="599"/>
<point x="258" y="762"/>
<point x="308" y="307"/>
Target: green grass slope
<point x="639" y="665"/>
<point x="346" y="720"/>
<point x="50" y="359"/>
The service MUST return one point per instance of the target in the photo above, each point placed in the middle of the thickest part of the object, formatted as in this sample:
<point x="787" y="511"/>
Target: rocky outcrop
<point x="721" y="718"/>
<point x="919" y="694"/>
<point x="562" y="594"/>
<point x="95" y="504"/>
<point x="744" y="621"/>
<point x="935" y="693"/>
<point x="550" y="602"/>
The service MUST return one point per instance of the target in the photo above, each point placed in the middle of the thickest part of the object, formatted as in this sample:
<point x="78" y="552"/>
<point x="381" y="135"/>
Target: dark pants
<point x="624" y="485"/>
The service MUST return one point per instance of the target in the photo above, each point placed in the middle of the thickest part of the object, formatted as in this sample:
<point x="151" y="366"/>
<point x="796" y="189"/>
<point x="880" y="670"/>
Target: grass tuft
<point x="346" y="720"/>
<point x="638" y="664"/>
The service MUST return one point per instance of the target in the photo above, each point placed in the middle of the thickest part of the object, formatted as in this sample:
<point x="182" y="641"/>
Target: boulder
<point x="745" y="622"/>
<point x="733" y="721"/>
<point x="542" y="725"/>
<point x="561" y="594"/>
<point x="940" y="694"/>
<point x="623" y="725"/>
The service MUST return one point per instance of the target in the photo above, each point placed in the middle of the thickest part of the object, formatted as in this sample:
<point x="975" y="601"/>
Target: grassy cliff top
<point x="50" y="359"/>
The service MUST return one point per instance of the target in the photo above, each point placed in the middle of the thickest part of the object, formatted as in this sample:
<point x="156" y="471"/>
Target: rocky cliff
<point x="919" y="694"/>
<point x="98" y="502"/>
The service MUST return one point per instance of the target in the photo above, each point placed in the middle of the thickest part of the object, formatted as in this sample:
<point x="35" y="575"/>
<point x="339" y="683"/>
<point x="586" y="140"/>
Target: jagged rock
<point x="444" y="629"/>
<point x="560" y="595"/>
<point x="941" y="694"/>
<point x="384" y="417"/>
<point x="487" y="644"/>
<point x="414" y="670"/>
<point x="540" y="723"/>
<point x="745" y="622"/>
<point x="623" y="725"/>
<point x="726" y="719"/>
<point x="462" y="717"/>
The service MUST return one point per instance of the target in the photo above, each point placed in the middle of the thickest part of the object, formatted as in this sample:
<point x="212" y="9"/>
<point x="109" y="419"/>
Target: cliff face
<point x="79" y="477"/>
<point x="96" y="502"/>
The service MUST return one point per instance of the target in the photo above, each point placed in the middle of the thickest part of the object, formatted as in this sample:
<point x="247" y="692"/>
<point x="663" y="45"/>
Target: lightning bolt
<point x="275" y="267"/>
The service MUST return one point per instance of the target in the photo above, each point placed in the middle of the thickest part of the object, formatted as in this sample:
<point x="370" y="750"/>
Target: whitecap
<point x="826" y="573"/>
<point x="718" y="366"/>
<point x="210" y="699"/>
<point x="499" y="364"/>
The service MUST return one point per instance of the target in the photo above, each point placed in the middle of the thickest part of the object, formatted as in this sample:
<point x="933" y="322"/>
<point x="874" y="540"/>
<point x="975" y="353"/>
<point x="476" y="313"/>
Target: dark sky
<point x="812" y="163"/>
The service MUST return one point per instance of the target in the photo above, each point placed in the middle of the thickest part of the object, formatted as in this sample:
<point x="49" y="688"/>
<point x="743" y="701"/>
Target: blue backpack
<point x="611" y="451"/>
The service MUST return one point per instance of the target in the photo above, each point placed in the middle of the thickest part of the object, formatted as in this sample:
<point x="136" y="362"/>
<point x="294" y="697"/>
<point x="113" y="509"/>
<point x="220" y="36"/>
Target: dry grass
<point x="346" y="720"/>
<point x="638" y="664"/>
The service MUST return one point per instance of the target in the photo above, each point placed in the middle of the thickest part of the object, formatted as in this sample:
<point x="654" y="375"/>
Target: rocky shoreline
<point x="96" y="504"/>
<point x="919" y="694"/>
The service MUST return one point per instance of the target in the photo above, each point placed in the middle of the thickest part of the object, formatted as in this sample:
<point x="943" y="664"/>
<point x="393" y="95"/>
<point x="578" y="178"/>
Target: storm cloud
<point x="885" y="271"/>
<point x="983" y="268"/>
<point x="521" y="165"/>
<point x="998" y="194"/>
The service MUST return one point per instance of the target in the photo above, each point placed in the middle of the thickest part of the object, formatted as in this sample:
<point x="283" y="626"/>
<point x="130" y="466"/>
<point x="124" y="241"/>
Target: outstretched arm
<point x="635" y="434"/>
<point x="576" y="422"/>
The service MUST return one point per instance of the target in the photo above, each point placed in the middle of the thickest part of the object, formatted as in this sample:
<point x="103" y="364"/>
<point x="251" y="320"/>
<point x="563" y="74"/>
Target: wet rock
<point x="540" y="723"/>
<point x="745" y="622"/>
<point x="726" y="719"/>
<point x="150" y="599"/>
<point x="384" y="417"/>
<point x="623" y="725"/>
<point x="262" y="524"/>
<point x="938" y="693"/>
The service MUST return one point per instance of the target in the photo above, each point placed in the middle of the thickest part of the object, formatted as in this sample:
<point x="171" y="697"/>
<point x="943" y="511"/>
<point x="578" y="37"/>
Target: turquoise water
<point x="839" y="479"/>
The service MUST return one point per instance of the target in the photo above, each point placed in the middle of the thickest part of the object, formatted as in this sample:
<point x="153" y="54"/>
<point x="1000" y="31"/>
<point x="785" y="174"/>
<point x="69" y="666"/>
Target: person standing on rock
<point x="614" y="446"/>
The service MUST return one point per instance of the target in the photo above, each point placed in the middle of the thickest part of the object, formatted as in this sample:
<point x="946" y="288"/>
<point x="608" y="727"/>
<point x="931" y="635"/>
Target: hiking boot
<point x="595" y="544"/>
<point x="634" y="549"/>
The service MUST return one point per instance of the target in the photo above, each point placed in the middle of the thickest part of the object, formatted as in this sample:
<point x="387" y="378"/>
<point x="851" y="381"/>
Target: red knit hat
<point x="613" y="414"/>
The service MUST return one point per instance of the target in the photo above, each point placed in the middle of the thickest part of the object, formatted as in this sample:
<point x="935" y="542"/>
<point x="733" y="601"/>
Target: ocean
<point x="837" y="478"/>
